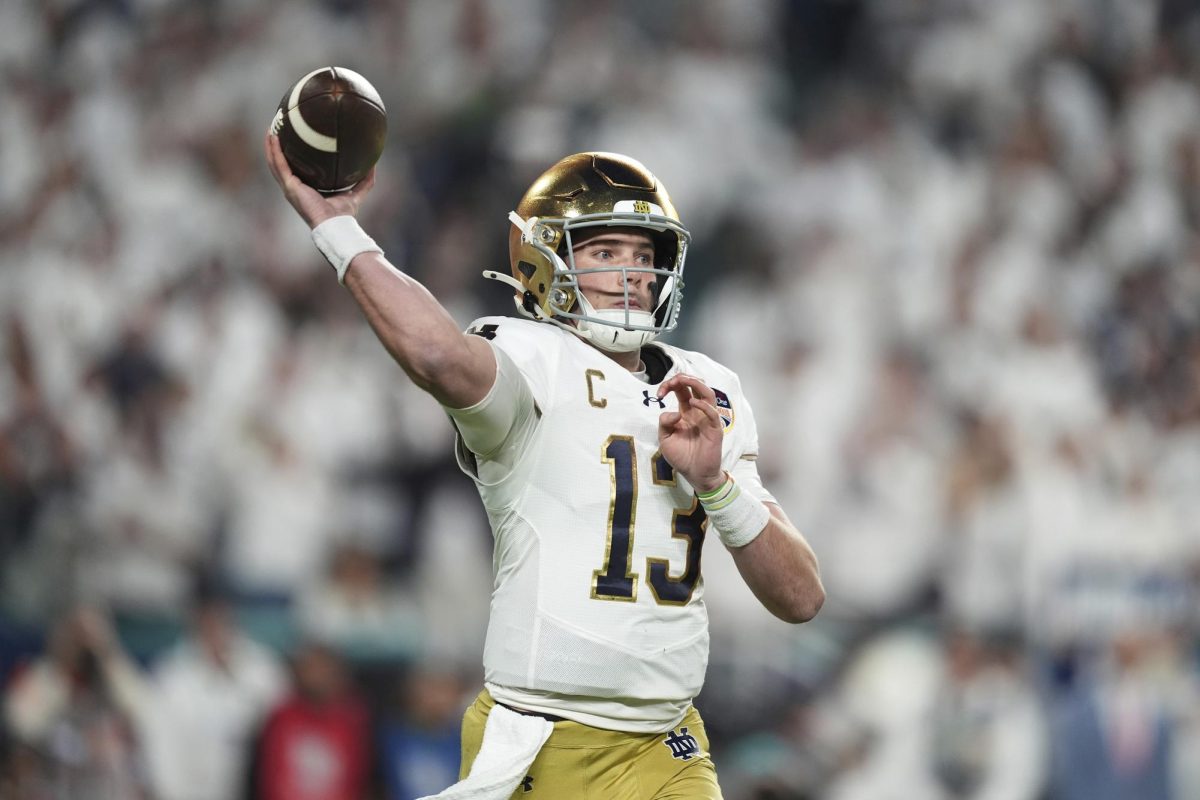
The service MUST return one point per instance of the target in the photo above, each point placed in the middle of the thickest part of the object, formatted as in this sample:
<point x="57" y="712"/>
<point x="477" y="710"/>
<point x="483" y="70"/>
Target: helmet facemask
<point x="616" y="329"/>
<point x="620" y="329"/>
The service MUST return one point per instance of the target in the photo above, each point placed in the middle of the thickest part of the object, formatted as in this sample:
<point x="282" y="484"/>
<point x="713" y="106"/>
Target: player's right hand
<point x="310" y="204"/>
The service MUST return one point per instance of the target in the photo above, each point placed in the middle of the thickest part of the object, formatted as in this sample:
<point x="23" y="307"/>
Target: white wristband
<point x="737" y="517"/>
<point x="340" y="239"/>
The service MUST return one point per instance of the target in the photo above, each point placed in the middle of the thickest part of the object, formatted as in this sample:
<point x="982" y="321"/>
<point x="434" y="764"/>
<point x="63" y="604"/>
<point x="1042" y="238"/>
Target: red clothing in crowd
<point x="314" y="751"/>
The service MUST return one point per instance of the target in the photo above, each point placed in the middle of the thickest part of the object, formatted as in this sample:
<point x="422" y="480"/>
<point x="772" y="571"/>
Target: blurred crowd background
<point x="951" y="246"/>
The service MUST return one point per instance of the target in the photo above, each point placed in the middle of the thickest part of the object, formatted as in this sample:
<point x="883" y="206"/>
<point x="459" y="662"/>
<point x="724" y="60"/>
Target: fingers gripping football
<point x="313" y="206"/>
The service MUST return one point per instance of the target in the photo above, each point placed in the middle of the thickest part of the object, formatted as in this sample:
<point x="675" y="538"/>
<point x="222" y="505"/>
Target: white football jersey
<point x="597" y="611"/>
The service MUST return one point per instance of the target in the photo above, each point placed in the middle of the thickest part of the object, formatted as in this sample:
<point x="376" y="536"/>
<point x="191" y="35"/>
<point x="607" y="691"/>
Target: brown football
<point x="332" y="127"/>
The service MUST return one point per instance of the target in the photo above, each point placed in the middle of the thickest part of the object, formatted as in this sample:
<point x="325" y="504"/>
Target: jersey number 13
<point x="616" y="580"/>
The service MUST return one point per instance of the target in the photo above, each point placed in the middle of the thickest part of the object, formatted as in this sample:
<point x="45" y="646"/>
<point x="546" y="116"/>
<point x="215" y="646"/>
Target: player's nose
<point x="633" y="277"/>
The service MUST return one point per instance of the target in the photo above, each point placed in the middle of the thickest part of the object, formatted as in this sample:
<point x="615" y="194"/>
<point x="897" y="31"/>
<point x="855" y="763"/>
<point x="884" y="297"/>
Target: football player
<point x="604" y="458"/>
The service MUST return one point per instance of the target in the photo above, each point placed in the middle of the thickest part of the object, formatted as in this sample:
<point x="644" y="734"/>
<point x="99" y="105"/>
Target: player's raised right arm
<point x="458" y="370"/>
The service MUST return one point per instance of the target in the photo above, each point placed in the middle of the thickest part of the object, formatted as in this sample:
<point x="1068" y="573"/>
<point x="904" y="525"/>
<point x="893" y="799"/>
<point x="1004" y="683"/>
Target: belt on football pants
<point x="524" y="713"/>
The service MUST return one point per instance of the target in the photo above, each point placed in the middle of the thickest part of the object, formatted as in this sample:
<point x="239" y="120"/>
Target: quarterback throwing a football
<point x="604" y="459"/>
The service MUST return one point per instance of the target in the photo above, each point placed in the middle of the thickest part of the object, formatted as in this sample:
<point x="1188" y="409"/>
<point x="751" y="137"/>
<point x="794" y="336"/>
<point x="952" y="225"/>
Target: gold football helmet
<point x="583" y="191"/>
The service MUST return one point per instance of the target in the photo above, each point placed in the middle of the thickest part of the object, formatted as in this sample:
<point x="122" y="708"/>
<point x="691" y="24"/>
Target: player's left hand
<point x="690" y="438"/>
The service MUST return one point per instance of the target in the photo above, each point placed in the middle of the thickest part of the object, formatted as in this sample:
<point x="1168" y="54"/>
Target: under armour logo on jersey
<point x="527" y="784"/>
<point x="649" y="398"/>
<point x="683" y="745"/>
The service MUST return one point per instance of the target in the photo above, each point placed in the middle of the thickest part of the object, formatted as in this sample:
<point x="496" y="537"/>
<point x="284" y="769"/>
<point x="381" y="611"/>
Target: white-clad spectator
<point x="146" y="515"/>
<point x="987" y="734"/>
<point x="1044" y="382"/>
<point x="1077" y="119"/>
<point x="73" y="712"/>
<point x="885" y="692"/>
<point x="883" y="543"/>
<point x="987" y="519"/>
<point x="355" y="608"/>
<point x="209" y="695"/>
<point x="280" y="521"/>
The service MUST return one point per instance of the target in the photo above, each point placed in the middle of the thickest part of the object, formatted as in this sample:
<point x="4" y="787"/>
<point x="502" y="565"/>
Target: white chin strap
<point x="619" y="340"/>
<point x="612" y="336"/>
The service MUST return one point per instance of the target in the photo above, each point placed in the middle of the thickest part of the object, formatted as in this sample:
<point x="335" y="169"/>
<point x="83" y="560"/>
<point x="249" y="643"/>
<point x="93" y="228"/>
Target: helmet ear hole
<point x="526" y="269"/>
<point x="666" y="248"/>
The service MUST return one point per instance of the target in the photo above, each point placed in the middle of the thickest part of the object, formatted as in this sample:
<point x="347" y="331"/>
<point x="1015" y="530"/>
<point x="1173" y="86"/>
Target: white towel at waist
<point x="510" y="743"/>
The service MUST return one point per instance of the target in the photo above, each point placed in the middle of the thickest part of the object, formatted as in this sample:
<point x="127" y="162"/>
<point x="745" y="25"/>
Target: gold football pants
<point x="579" y="762"/>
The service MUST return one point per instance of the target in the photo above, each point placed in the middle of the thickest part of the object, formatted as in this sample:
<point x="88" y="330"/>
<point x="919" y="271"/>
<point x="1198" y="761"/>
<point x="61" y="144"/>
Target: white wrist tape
<point x="340" y="239"/>
<point x="737" y="518"/>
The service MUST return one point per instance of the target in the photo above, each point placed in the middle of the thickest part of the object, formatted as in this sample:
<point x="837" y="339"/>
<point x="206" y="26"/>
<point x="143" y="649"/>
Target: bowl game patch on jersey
<point x="724" y="408"/>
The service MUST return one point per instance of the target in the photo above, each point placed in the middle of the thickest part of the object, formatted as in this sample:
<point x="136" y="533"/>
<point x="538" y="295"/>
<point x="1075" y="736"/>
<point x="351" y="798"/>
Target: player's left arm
<point x="773" y="557"/>
<point x="781" y="569"/>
